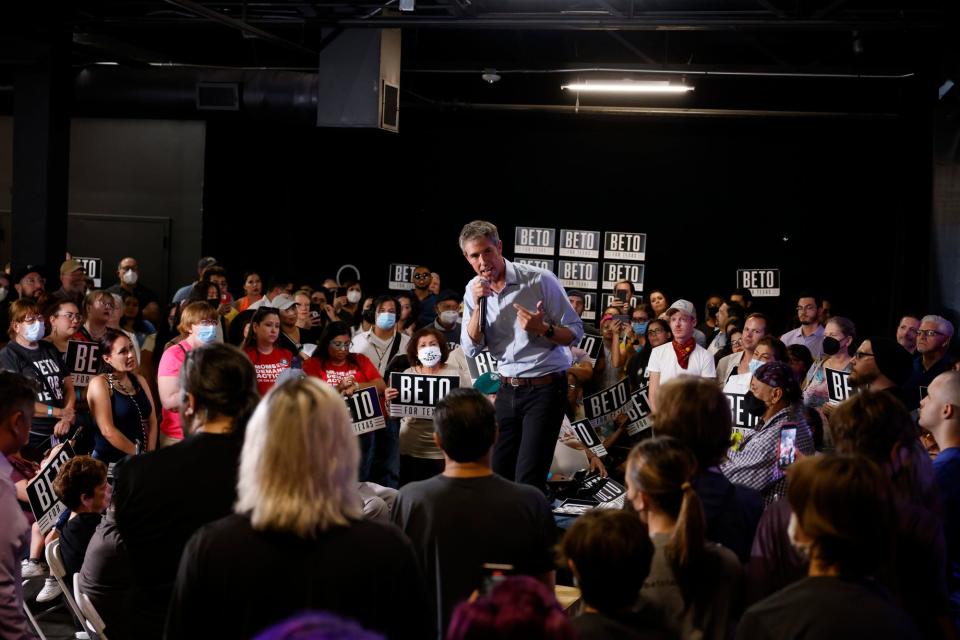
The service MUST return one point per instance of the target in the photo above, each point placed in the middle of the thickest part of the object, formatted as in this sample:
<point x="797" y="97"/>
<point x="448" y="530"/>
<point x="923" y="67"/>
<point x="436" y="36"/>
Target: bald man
<point x="940" y="414"/>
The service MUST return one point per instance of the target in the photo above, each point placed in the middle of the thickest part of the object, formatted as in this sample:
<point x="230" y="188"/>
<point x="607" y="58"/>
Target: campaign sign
<point x="608" y="493"/>
<point x="94" y="269"/>
<point x="83" y="361"/>
<point x="365" y="412"/>
<point x="535" y="240"/>
<point x="763" y="283"/>
<point x="44" y="503"/>
<point x="419" y="394"/>
<point x="614" y="272"/>
<point x="838" y="385"/>
<point x="587" y="435"/>
<point x="625" y="246"/>
<point x="579" y="244"/>
<point x="593" y="345"/>
<point x="611" y="300"/>
<point x="480" y="364"/>
<point x="401" y="275"/>
<point x="736" y="390"/>
<point x="606" y="405"/>
<point x="578" y="275"/>
<point x="589" y="306"/>
<point x="541" y="263"/>
<point x="638" y="412"/>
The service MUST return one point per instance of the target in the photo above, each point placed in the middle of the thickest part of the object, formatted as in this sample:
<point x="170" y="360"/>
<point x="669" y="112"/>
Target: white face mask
<point x="130" y="276"/>
<point x="429" y="356"/>
<point x="353" y="297"/>
<point x="34" y="332"/>
<point x="3" y="293"/>
<point x="449" y="318"/>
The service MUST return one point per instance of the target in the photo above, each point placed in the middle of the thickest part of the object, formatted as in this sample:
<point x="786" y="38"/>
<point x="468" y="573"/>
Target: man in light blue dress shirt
<point x="528" y="326"/>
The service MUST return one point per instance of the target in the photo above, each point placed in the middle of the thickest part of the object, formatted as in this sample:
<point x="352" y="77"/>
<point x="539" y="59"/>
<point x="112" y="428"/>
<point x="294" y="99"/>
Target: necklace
<point x="131" y="395"/>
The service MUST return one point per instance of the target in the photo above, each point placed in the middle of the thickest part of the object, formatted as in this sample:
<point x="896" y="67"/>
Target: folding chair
<point x="94" y="622"/>
<point x="58" y="571"/>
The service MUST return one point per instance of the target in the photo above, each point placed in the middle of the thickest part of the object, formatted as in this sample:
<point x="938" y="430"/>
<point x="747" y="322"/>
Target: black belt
<point x="539" y="380"/>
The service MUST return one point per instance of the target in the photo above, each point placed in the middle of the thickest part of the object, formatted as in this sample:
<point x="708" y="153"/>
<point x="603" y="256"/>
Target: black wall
<point x="840" y="205"/>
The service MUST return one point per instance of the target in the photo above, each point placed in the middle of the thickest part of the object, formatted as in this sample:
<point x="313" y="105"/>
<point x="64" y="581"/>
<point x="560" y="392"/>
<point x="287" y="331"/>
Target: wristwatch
<point x="550" y="331"/>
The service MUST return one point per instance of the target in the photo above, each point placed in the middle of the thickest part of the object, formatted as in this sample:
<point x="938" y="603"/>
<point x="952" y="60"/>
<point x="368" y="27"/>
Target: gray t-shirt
<point x="718" y="582"/>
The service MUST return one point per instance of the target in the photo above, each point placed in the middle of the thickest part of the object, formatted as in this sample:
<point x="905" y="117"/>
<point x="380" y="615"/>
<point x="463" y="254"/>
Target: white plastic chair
<point x="94" y="622"/>
<point x="59" y="571"/>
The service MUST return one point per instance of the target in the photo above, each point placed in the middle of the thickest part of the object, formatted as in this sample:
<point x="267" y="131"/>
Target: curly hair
<point x="79" y="477"/>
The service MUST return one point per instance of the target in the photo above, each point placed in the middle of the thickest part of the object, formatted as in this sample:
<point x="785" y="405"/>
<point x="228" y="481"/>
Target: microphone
<point x="482" y="308"/>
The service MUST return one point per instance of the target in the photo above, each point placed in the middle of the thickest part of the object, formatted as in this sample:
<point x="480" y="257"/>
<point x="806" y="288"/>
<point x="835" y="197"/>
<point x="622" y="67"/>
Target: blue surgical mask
<point x="639" y="328"/>
<point x="754" y="365"/>
<point x="207" y="333"/>
<point x="386" y="320"/>
<point x="34" y="331"/>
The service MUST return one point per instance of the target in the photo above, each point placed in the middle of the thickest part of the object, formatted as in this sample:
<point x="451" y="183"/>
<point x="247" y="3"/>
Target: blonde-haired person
<point x="694" y="582"/>
<point x="297" y="519"/>
<point x="198" y="326"/>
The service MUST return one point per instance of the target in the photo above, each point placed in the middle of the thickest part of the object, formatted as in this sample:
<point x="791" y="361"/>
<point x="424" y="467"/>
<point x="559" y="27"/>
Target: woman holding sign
<point x="268" y="359"/>
<point x="420" y="457"/>
<point x="31" y="357"/>
<point x="122" y="408"/>
<point x="838" y="336"/>
<point x="333" y="363"/>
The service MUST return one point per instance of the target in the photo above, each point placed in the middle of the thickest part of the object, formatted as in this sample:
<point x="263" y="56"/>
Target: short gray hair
<point x="478" y="229"/>
<point x="946" y="327"/>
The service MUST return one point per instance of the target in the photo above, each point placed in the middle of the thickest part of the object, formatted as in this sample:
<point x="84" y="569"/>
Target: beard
<point x="863" y="379"/>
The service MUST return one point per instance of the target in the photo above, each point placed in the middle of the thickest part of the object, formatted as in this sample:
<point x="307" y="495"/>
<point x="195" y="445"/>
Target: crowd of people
<point x="792" y="483"/>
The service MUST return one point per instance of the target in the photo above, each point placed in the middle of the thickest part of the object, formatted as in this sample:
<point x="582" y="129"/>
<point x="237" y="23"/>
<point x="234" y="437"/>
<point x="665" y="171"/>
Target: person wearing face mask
<point x="421" y="279"/>
<point x="710" y="327"/>
<point x="761" y="464"/>
<point x="810" y="333"/>
<point x="420" y="457"/>
<point x="768" y="349"/>
<point x="28" y="355"/>
<point x="128" y="283"/>
<point x="448" y="317"/>
<point x="347" y="305"/>
<point x="657" y="332"/>
<point x="381" y="344"/>
<point x="198" y="327"/>
<point x="838" y="336"/>
<point x="756" y="327"/>
<point x="843" y="521"/>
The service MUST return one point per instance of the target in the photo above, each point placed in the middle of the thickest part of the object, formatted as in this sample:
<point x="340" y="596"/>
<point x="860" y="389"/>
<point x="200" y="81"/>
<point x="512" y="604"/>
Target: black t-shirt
<point x="826" y="608"/>
<point x="458" y="524"/>
<point x="44" y="365"/>
<point x="161" y="499"/>
<point x="645" y="624"/>
<point x="307" y="336"/>
<point x="74" y="537"/>
<point x="732" y="512"/>
<point x="234" y="581"/>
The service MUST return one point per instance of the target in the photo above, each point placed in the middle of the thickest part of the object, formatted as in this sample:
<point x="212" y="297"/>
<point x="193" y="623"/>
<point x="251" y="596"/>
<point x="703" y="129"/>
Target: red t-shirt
<point x="360" y="368"/>
<point x="268" y="366"/>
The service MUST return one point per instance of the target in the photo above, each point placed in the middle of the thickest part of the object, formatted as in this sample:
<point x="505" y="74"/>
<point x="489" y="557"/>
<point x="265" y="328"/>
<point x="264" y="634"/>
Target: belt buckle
<point x="514" y="382"/>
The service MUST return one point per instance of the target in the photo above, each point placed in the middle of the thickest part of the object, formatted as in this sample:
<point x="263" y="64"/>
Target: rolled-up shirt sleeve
<point x="557" y="307"/>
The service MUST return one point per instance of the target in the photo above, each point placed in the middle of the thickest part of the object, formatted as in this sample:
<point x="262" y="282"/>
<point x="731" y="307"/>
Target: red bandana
<point x="683" y="352"/>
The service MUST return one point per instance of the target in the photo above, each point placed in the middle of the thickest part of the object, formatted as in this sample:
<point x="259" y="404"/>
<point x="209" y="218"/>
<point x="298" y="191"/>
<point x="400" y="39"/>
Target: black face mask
<point x="831" y="346"/>
<point x="712" y="311"/>
<point x="754" y="405"/>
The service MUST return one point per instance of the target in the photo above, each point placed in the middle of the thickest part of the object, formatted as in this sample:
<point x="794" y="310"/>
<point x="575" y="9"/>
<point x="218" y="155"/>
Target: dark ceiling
<point x="812" y="57"/>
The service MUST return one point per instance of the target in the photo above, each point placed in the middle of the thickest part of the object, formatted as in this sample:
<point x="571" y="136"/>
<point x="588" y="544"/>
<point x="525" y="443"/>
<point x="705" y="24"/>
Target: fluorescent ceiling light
<point x="627" y="87"/>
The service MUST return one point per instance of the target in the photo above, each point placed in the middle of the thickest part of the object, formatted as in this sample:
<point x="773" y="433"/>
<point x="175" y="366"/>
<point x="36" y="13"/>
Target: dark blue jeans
<point x="529" y="418"/>
<point x="380" y="455"/>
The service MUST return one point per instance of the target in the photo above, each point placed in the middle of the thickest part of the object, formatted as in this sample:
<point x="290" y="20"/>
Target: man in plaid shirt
<point x="760" y="463"/>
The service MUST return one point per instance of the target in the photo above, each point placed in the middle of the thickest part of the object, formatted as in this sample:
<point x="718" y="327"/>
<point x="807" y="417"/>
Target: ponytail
<point x="685" y="547"/>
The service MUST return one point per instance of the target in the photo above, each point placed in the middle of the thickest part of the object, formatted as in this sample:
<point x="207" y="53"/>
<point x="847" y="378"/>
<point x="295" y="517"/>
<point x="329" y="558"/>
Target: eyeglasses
<point x="208" y="323"/>
<point x="68" y="314"/>
<point x="654" y="332"/>
<point x="30" y="319"/>
<point x="859" y="355"/>
<point x="109" y="306"/>
<point x="421" y="276"/>
<point x="736" y="343"/>
<point x="929" y="333"/>
<point x="336" y="344"/>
